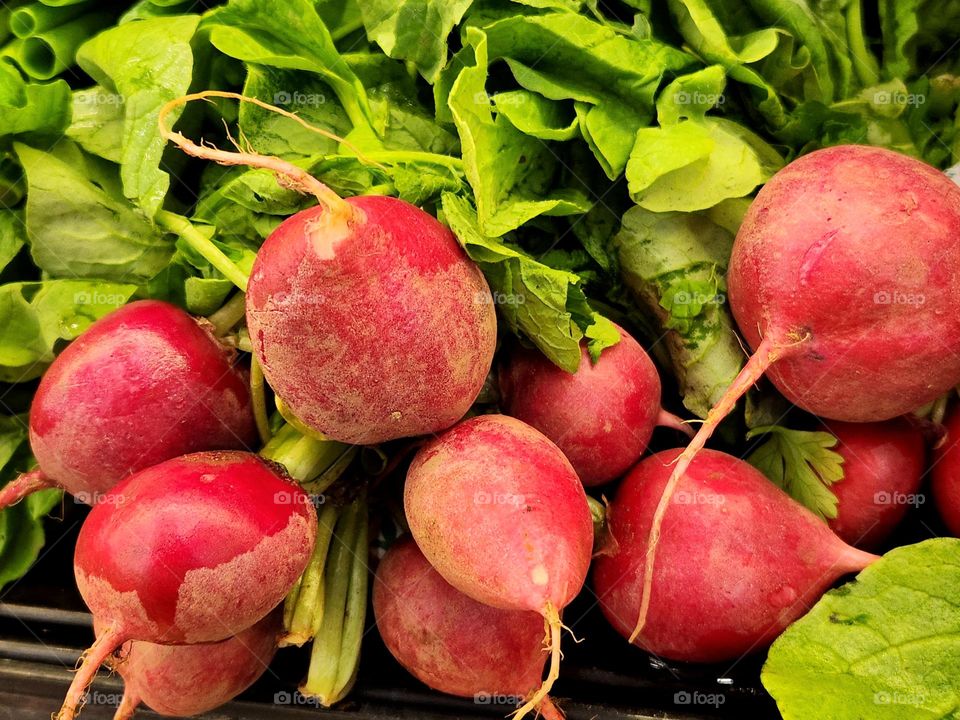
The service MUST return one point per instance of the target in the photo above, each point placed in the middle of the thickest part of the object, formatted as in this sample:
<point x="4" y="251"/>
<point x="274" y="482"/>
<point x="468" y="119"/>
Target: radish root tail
<point x="554" y="628"/>
<point x="87" y="668"/>
<point x="128" y="706"/>
<point x="549" y="710"/>
<point x="668" y="419"/>
<point x="768" y="352"/>
<point x="27" y="483"/>
<point x="289" y="175"/>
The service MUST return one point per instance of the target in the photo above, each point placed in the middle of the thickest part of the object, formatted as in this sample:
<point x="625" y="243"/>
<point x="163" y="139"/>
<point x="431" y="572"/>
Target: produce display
<point x="504" y="318"/>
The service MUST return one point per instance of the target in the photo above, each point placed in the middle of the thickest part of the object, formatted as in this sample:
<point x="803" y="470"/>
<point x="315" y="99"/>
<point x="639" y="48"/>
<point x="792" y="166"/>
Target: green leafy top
<point x="882" y="647"/>
<point x="803" y="463"/>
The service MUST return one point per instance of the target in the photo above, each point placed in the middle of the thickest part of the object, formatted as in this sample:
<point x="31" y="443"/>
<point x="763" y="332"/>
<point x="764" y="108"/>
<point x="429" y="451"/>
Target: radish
<point x="450" y="642"/>
<point x="842" y="280"/>
<point x="193" y="550"/>
<point x="883" y="465"/>
<point x="143" y="384"/>
<point x="601" y="416"/>
<point x="740" y="560"/>
<point x="369" y="320"/>
<point x="187" y="680"/>
<point x="499" y="511"/>
<point x="946" y="475"/>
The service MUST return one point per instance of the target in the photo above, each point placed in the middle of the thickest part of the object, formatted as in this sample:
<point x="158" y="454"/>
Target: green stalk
<point x="315" y="463"/>
<point x="227" y="317"/>
<point x="179" y="225"/>
<point x="336" y="648"/>
<point x="303" y="609"/>
<point x="45" y="55"/>
<point x="258" y="396"/>
<point x="864" y="62"/>
<point x="33" y="19"/>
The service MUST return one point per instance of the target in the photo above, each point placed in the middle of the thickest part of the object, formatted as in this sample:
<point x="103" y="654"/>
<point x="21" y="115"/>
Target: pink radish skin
<point x="143" y="384"/>
<point x="842" y="279"/>
<point x="601" y="416"/>
<point x="883" y="465"/>
<point x="188" y="680"/>
<point x="448" y="641"/>
<point x="193" y="550"/>
<point x="371" y="328"/>
<point x="739" y="560"/>
<point x="946" y="475"/>
<point x="499" y="511"/>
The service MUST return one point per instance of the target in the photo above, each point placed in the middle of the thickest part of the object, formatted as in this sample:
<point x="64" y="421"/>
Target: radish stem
<point x="27" y="483"/>
<point x="179" y="225"/>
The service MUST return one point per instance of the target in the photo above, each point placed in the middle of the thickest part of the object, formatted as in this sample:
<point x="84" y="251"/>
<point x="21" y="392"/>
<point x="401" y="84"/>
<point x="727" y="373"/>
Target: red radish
<point x="369" y="320"/>
<point x="450" y="642"/>
<point x="601" y="416"/>
<point x="842" y="279"/>
<point x="500" y="513"/>
<point x="193" y="550"/>
<point x="883" y="465"/>
<point x="739" y="559"/>
<point x="946" y="475"/>
<point x="187" y="680"/>
<point x="143" y="384"/>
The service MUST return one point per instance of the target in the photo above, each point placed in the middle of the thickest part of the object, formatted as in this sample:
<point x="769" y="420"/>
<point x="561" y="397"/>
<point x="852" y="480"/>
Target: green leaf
<point x="98" y="121"/>
<point x="532" y="114"/>
<point x="414" y="30"/>
<point x="692" y="96"/>
<point x="31" y="109"/>
<point x="882" y="647"/>
<point x="801" y="462"/>
<point x="511" y="173"/>
<point x="290" y="35"/>
<point x="12" y="236"/>
<point x="35" y="317"/>
<point x="76" y="229"/>
<point x="544" y="304"/>
<point x="694" y="165"/>
<point x="662" y="255"/>
<point x="147" y="63"/>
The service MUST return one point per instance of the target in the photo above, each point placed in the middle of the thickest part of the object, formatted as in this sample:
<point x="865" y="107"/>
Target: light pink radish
<point x="601" y="416"/>
<point x="498" y="510"/>
<point x="143" y="384"/>
<point x="883" y="465"/>
<point x="188" y="680"/>
<point x="842" y="279"/>
<point x="739" y="560"/>
<point x="946" y="475"/>
<point x="193" y="550"/>
<point x="449" y="641"/>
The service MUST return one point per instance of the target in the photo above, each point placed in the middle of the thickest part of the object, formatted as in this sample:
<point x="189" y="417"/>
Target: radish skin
<point x="193" y="550"/>
<point x="500" y="513"/>
<point x="740" y="560"/>
<point x="842" y="279"/>
<point x="143" y="384"/>
<point x="601" y="417"/>
<point x="946" y="475"/>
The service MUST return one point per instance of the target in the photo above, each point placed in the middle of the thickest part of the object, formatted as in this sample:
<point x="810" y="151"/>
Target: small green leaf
<point x="801" y="462"/>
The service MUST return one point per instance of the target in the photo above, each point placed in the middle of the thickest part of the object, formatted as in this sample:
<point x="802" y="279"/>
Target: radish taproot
<point x="883" y="466"/>
<point x="369" y="320"/>
<point x="499" y="511"/>
<point x="739" y="559"/>
<point x="601" y="416"/>
<point x="842" y="279"/>
<point x="451" y="642"/>
<point x="946" y="475"/>
<point x="188" y="680"/>
<point x="192" y="550"/>
<point x="143" y="384"/>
